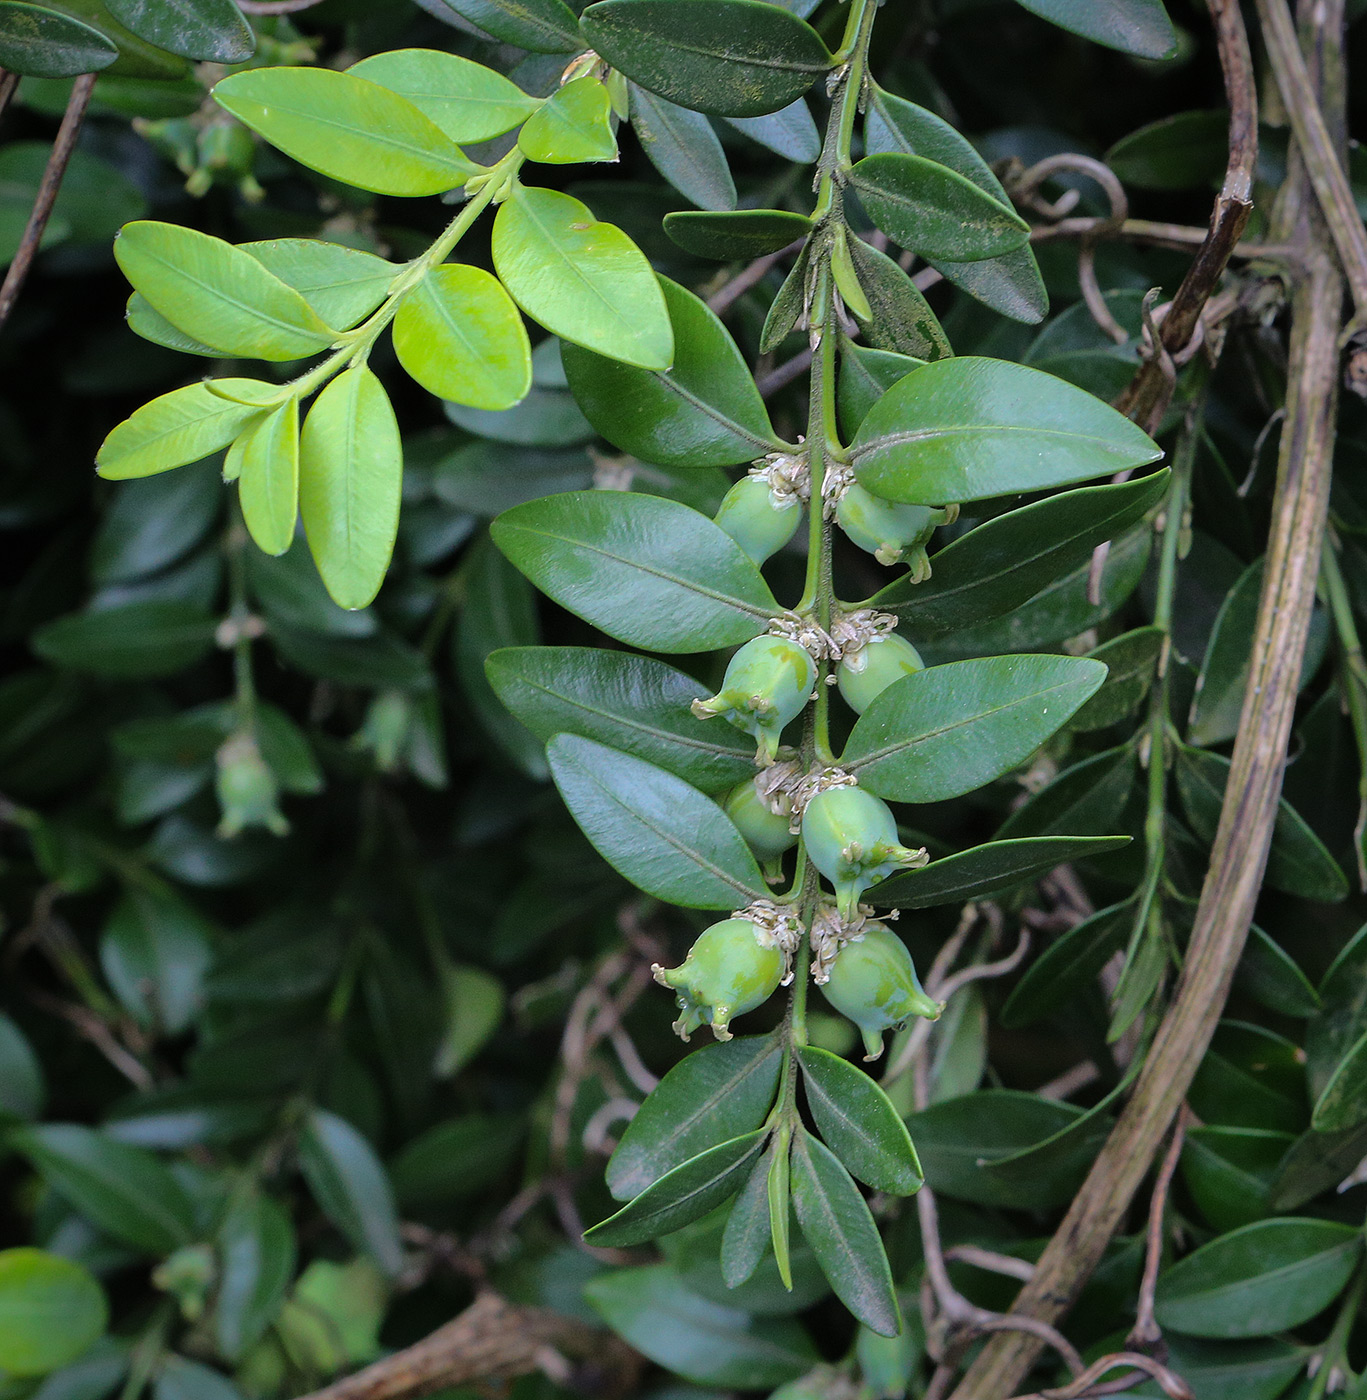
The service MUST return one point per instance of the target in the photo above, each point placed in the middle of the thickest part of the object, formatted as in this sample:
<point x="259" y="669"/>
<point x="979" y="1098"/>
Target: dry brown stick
<point x="62" y="148"/>
<point x="1146" y="1333"/>
<point x="9" y="84"/>
<point x="1239" y="855"/>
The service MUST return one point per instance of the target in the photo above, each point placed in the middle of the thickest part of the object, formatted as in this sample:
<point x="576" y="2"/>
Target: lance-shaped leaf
<point x="929" y="208"/>
<point x="218" y="293"/>
<point x="898" y="317"/>
<point x="683" y="1195"/>
<point x="635" y="704"/>
<point x="967" y="428"/>
<point x="746" y="1239"/>
<point x="468" y="101"/>
<point x="540" y="26"/>
<point x="703" y="411"/>
<point x="730" y="235"/>
<point x="1131" y="661"/>
<point x="683" y="147"/>
<point x="841" y="1232"/>
<point x="341" y="284"/>
<point x="730" y="58"/>
<point x="720" y="1092"/>
<point x="350" y="1186"/>
<point x="1140" y="27"/>
<point x="586" y="281"/>
<point x="460" y="336"/>
<point x="944" y="731"/>
<point x="646" y="570"/>
<point x="666" y="837"/>
<point x="983" y="871"/>
<point x="267" y="475"/>
<point x="347" y="127"/>
<point x="859" y="1123"/>
<point x="214" y="31"/>
<point x="44" y="43"/>
<point x="257" y="1253"/>
<point x="174" y="430"/>
<point x="350" y="478"/>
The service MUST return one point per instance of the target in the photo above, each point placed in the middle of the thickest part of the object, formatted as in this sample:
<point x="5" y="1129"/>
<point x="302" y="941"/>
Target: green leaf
<point x="703" y="411"/>
<point x="151" y="524"/>
<point x="858" y="1123"/>
<point x="928" y="208"/>
<point x="181" y="1379"/>
<point x="1250" y="1370"/>
<point x="1067" y="966"/>
<point x="789" y="308"/>
<point x="790" y="132"/>
<point x="257" y="1257"/>
<point x="841" y="1232"/>
<point x="1131" y="661"/>
<point x="540" y="26"/>
<point x="1270" y="975"/>
<point x="1298" y="862"/>
<point x="1139" y="27"/>
<point x="341" y="284"/>
<point x="659" y="833"/>
<point x="585" y="281"/>
<point x="899" y="317"/>
<point x="348" y="128"/>
<point x="350" y="478"/>
<point x="634" y="704"/>
<point x="351" y="1187"/>
<point x="458" y="1158"/>
<point x="574" y="124"/>
<point x="123" y="1191"/>
<point x="682" y="146"/>
<point x="648" y="571"/>
<point x="156" y="951"/>
<point x="473" y="1002"/>
<point x="737" y="234"/>
<point x="1005" y="562"/>
<point x="135" y="641"/>
<point x="1066" y="1153"/>
<point x="746" y="1239"/>
<point x="711" y="1096"/>
<point x="730" y="58"/>
<point x="683" y="1195"/>
<point x="51" y="1311"/>
<point x="542" y="418"/>
<point x="1343" y="1104"/>
<point x="152" y="325"/>
<point x="1011" y="283"/>
<point x="224" y="296"/>
<point x="22" y="1089"/>
<point x="1317" y="1162"/>
<point x="468" y="101"/>
<point x="984" y="871"/>
<point x="44" y="43"/>
<point x="1185" y="151"/>
<point x="704" y="1342"/>
<point x="866" y="374"/>
<point x="1250" y="1077"/>
<point x="459" y="335"/>
<point x="944" y="731"/>
<point x="1264" y="1278"/>
<point x="268" y="477"/>
<point x="1229" y="1172"/>
<point x="967" y="429"/>
<point x="174" y="430"/>
<point x="214" y="31"/>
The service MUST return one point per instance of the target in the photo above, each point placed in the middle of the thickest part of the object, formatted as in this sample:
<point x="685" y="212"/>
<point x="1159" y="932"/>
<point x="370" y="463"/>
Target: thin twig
<point x="9" y="85"/>
<point x="991" y="1261"/>
<point x="51" y="182"/>
<point x="1143" y="1368"/>
<point x="785" y="373"/>
<point x="1146" y="1333"/>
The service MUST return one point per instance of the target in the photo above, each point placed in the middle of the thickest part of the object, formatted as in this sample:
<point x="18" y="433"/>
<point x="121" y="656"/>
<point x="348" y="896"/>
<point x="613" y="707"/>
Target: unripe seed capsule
<point x="758" y="520"/>
<point x="766" y="832"/>
<point x="766" y="685"/>
<point x="889" y="530"/>
<point x="248" y="793"/>
<point x="873" y="981"/>
<point x="727" y="972"/>
<point x="872" y="668"/>
<point x="851" y="837"/>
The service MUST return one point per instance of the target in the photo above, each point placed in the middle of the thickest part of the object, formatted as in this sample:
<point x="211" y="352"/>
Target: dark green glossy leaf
<point x="22" y="1087"/>
<point x="865" y="375"/>
<point x="44" y="43"/>
<point x="746" y="1239"/>
<point x="1229" y="1172"/>
<point x="1343" y="1018"/>
<point x="1317" y="1162"/>
<point x="1250" y="1077"/>
<point x="1343" y="1104"/>
<point x="155" y="952"/>
<point x="1005" y="562"/>
<point x="136" y="640"/>
<point x="858" y="1123"/>
<point x="683" y="1195"/>
<point x="1263" y="1278"/>
<point x="1271" y="976"/>
<point x="631" y="703"/>
<point x="1067" y="966"/>
<point x="1248" y="1370"/>
<point x="1087" y="798"/>
<point x="351" y="1187"/>
<point x="458" y="1158"/>
<point x="966" y="429"/>
<point x="212" y="30"/>
<point x="648" y="571"/>
<point x="790" y="132"/>
<point x="841" y="1232"/>
<point x="899" y="317"/>
<point x="736" y="234"/>
<point x="930" y="209"/>
<point x="1186" y="151"/>
<point x="1130" y="660"/>
<point x="540" y="26"/>
<point x="1065" y="1153"/>
<point x="711" y="1096"/>
<point x="984" y="871"/>
<point x="703" y="411"/>
<point x="664" y="836"/>
<point x="737" y="58"/>
<point x="946" y="730"/>
<point x="682" y="146"/>
<point x="788" y="309"/>
<point x="1139" y="27"/>
<point x="257" y="1254"/>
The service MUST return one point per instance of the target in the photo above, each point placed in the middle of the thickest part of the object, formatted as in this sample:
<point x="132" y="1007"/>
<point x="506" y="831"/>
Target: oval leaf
<point x="51" y="1310"/>
<point x="351" y="1187"/>
<point x="212" y="30"/>
<point x="43" y="43"/>
<point x="268" y="478"/>
<point x="732" y="235"/>
<point x="1140" y="27"/>
<point x="468" y="101"/>
<point x="683" y="147"/>
<point x="174" y="430"/>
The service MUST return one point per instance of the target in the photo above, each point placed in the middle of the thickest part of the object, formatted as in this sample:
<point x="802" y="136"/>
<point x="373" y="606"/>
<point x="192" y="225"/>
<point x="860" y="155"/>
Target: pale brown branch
<point x="749" y="276"/>
<point x="1146" y="1333"/>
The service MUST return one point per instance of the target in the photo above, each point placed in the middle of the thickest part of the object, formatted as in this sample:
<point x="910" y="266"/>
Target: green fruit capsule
<point x="248" y="793"/>
<point x="873" y="981"/>
<point x="891" y="532"/>
<point x="758" y="519"/>
<point x="766" y="832"/>
<point x="851" y="837"/>
<point x="766" y="685"/>
<point x="727" y="972"/>
<point x="872" y="668"/>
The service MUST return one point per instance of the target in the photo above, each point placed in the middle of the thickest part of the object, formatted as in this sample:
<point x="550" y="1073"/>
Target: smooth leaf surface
<point x="155" y="953"/>
<point x="1131" y="661"/>
<point x="341" y="284"/>
<point x="648" y="571"/>
<point x="351" y="1187"/>
<point x="664" y="836"/>
<point x="268" y="478"/>
<point x="540" y="26"/>
<point x="790" y="132"/>
<point x="739" y="233"/>
<point x="1139" y="27"/>
<point x="257" y="1250"/>
<point x="966" y="429"/>
<point x="682" y="146"/>
<point x="51" y="1310"/>
<point x="137" y="640"/>
<point x="895" y="316"/>
<point x="1229" y="1172"/>
<point x="944" y="731"/>
<point x="468" y="101"/>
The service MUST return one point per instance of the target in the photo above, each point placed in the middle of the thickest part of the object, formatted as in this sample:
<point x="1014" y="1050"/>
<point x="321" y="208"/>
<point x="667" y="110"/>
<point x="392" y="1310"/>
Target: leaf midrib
<point x="911" y="436"/>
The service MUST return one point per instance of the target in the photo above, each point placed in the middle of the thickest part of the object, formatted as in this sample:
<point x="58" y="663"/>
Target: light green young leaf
<point x="460" y="336"/>
<point x="153" y="326"/>
<point x="268" y="477"/>
<point x="574" y="125"/>
<point x="350" y="479"/>
<point x="347" y="127"/>
<point x="586" y="281"/>
<point x="51" y="1310"/>
<point x="174" y="430"/>
<point x="341" y="284"/>
<point x="468" y="101"/>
